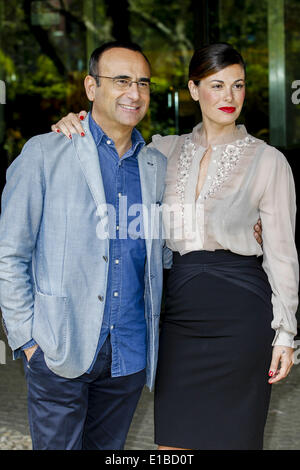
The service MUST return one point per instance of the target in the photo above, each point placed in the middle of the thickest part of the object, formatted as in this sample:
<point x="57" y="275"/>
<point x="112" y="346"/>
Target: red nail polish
<point x="57" y="130"/>
<point x="70" y="137"/>
<point x="81" y="117"/>
<point x="82" y="134"/>
<point x="271" y="373"/>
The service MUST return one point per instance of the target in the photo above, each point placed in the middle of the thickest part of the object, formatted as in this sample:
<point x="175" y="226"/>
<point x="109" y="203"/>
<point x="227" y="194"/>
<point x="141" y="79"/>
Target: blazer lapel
<point x="148" y="170"/>
<point x="87" y="154"/>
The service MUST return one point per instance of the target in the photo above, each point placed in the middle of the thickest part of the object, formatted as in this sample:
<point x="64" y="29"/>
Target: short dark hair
<point x="97" y="53"/>
<point x="212" y="58"/>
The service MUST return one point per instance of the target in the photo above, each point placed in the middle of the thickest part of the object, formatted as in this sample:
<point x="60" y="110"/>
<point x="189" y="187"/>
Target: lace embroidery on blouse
<point x="230" y="157"/>
<point x="184" y="163"/>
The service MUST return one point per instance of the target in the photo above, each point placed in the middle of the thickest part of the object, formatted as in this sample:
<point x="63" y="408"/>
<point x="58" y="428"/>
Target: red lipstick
<point x="228" y="109"/>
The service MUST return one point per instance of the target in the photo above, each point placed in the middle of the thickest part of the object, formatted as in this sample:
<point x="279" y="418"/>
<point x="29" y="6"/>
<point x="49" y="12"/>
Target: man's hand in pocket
<point x="29" y="352"/>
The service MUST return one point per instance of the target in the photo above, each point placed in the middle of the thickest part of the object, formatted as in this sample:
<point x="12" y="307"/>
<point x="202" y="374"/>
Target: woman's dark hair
<point x="97" y="53"/>
<point x="212" y="58"/>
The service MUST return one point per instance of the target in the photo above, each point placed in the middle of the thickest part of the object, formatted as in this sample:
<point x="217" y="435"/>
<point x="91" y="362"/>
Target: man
<point x="85" y="308"/>
<point x="72" y="299"/>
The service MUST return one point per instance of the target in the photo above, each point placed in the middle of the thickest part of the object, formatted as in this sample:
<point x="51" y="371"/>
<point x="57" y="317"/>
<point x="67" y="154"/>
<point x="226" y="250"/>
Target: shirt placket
<point x="116" y="274"/>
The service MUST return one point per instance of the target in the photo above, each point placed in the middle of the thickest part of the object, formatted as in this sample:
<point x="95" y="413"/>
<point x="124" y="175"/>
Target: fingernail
<point x="271" y="373"/>
<point x="81" y="117"/>
<point x="57" y="130"/>
<point x="82" y="134"/>
<point x="70" y="137"/>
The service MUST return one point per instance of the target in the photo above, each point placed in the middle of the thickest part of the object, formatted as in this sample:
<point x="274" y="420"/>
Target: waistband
<point x="214" y="257"/>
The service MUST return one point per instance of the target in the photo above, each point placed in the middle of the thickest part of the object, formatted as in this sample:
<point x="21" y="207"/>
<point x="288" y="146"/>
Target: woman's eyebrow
<point x="222" y="81"/>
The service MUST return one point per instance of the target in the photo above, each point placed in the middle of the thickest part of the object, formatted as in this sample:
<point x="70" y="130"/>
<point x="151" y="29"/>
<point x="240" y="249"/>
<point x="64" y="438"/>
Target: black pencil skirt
<point x="212" y="389"/>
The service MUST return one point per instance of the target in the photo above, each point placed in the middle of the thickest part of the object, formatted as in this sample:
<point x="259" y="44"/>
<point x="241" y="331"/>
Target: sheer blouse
<point x="246" y="179"/>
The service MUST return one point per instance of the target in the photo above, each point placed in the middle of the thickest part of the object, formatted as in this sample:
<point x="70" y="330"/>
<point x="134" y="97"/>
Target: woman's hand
<point x="284" y="356"/>
<point x="70" y="124"/>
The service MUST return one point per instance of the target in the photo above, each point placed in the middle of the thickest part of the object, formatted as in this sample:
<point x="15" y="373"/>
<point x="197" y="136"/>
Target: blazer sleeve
<point x="280" y="259"/>
<point x="21" y="212"/>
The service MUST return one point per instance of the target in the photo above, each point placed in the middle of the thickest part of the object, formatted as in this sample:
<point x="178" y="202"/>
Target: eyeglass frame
<point x="129" y="80"/>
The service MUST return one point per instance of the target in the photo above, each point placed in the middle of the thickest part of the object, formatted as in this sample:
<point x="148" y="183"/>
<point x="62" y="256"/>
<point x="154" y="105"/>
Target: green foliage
<point x="44" y="64"/>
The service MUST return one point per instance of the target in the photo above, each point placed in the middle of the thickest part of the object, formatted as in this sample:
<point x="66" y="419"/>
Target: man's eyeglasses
<point x="125" y="83"/>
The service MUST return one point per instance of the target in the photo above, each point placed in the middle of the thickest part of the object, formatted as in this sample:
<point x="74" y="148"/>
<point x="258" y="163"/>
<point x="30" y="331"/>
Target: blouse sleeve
<point x="164" y="144"/>
<point x="280" y="259"/>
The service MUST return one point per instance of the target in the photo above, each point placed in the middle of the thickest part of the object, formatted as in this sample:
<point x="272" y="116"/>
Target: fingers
<point x="258" y="227"/>
<point x="258" y="232"/>
<point x="274" y="365"/>
<point x="82" y="115"/>
<point x="258" y="238"/>
<point x="70" y="124"/>
<point x="284" y="357"/>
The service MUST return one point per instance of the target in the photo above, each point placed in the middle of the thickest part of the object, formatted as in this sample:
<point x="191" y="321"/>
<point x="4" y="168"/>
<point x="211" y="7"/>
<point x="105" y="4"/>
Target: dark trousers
<point x="91" y="412"/>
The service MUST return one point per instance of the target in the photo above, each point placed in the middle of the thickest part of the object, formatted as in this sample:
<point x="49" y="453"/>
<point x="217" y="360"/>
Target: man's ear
<point x="90" y="86"/>
<point x="193" y="90"/>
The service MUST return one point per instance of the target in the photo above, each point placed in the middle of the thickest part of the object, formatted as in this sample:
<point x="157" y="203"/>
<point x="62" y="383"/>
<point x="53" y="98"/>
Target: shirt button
<point x="116" y="294"/>
<point x="101" y="298"/>
<point x="117" y="261"/>
<point x="112" y="327"/>
<point x="117" y="227"/>
<point x="108" y="142"/>
<point x="119" y="194"/>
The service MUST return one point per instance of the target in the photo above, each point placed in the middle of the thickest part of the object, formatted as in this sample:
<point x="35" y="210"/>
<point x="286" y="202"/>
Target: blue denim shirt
<point x="124" y="313"/>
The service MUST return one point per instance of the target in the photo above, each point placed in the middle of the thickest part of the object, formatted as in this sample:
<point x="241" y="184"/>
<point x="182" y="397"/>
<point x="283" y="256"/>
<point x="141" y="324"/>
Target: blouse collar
<point x="199" y="138"/>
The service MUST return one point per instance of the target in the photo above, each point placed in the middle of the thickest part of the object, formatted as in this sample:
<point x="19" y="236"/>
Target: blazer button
<point x="101" y="298"/>
<point x="105" y="258"/>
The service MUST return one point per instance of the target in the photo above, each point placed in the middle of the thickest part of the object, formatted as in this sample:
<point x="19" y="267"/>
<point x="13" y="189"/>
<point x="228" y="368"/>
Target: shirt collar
<point x="100" y="136"/>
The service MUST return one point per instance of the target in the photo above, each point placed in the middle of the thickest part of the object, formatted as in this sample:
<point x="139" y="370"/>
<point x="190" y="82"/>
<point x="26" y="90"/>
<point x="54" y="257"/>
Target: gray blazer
<point x="53" y="259"/>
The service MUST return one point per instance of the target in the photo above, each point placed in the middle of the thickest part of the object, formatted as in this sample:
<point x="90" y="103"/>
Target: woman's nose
<point x="228" y="94"/>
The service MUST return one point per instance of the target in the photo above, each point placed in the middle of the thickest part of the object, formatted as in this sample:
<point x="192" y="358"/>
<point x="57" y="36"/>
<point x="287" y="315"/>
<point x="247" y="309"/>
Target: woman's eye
<point x="218" y="86"/>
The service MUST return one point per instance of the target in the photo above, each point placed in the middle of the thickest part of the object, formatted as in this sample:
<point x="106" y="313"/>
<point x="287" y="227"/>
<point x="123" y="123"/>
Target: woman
<point x="229" y="320"/>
